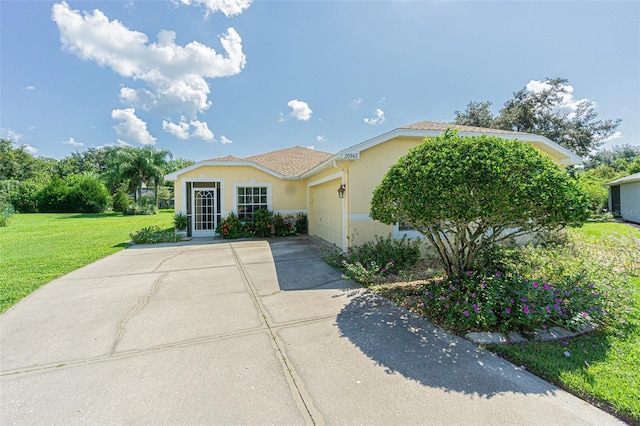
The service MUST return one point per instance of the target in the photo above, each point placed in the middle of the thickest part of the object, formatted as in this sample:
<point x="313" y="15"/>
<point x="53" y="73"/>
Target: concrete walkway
<point x="248" y="333"/>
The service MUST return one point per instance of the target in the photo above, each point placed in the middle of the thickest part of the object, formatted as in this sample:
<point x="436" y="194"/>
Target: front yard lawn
<point x="37" y="248"/>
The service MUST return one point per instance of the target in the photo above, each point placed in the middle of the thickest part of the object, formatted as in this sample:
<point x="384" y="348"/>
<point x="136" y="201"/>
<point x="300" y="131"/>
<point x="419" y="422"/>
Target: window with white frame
<point x="250" y="199"/>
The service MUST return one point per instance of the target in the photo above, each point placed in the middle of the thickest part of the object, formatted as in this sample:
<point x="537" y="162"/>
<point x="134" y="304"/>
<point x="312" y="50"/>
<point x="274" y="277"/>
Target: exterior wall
<point x="286" y="196"/>
<point x="630" y="201"/>
<point x="365" y="174"/>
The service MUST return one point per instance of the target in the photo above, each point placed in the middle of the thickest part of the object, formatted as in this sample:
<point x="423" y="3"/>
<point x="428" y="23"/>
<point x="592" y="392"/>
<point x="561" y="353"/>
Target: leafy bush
<point x="283" y="226"/>
<point x="262" y="223"/>
<point x="180" y="221"/>
<point x="87" y="195"/>
<point x="577" y="283"/>
<point x="373" y="259"/>
<point x="54" y="197"/>
<point x="22" y="195"/>
<point x="230" y="227"/>
<point x="120" y="200"/>
<point x="467" y="194"/>
<point x="154" y="234"/>
<point x="302" y="224"/>
<point x="134" y="209"/>
<point x="75" y="193"/>
<point x="6" y="210"/>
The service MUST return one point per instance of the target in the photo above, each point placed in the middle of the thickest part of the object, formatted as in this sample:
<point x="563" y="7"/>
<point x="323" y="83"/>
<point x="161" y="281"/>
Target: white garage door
<point x="326" y="212"/>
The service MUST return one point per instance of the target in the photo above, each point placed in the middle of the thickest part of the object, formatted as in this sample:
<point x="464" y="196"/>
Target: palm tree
<point x="142" y="165"/>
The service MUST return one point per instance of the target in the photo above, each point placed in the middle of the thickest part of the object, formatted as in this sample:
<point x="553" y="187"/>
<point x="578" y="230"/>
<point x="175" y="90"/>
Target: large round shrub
<point x="467" y="194"/>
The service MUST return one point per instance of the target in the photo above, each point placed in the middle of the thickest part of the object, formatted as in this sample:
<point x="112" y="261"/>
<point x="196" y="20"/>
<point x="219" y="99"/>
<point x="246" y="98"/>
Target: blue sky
<point x="210" y="78"/>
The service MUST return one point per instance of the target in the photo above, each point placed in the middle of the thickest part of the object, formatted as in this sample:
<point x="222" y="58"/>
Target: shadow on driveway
<point x="404" y="343"/>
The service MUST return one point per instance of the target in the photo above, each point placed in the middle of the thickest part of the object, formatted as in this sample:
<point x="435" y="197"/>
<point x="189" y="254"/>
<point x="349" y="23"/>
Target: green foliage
<point x="81" y="194"/>
<point x="539" y="112"/>
<point x="468" y="194"/>
<point x="302" y="224"/>
<point x="134" y="209"/>
<point x="373" y="259"/>
<point x="120" y="200"/>
<point x="282" y="226"/>
<point x="6" y="210"/>
<point x="180" y="221"/>
<point x="23" y="196"/>
<point x="18" y="164"/>
<point x="230" y="227"/>
<point x="262" y="223"/>
<point x="619" y="158"/>
<point x="153" y="235"/>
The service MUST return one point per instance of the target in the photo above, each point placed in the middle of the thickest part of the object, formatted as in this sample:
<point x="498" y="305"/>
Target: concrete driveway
<point x="248" y="332"/>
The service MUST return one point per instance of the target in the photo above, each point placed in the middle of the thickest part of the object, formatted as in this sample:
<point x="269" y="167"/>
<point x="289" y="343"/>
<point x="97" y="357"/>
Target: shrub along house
<point x="334" y="190"/>
<point x="624" y="197"/>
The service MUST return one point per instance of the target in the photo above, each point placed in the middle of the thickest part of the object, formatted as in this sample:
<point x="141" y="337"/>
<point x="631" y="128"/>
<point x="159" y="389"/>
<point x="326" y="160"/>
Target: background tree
<point x="468" y="194"/>
<point x="141" y="165"/>
<point x="540" y="112"/>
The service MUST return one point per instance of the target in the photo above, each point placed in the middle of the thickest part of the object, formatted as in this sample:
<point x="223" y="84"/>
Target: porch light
<point x="342" y="190"/>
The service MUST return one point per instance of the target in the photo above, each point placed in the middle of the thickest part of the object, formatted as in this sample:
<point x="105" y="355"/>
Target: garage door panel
<point x="327" y="212"/>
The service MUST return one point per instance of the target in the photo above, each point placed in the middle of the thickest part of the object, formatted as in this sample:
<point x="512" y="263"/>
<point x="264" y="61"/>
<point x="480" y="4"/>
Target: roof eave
<point x="172" y="177"/>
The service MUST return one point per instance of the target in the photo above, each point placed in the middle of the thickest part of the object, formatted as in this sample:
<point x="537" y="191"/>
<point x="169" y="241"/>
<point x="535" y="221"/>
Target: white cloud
<point x="131" y="128"/>
<point x="321" y="138"/>
<point x="567" y="102"/>
<point x="73" y="142"/>
<point x="30" y="88"/>
<point x="228" y="7"/>
<point x="281" y="117"/>
<point x="615" y="135"/>
<point x="30" y="149"/>
<point x="357" y="101"/>
<point x="225" y="140"/>
<point x="175" y="75"/>
<point x="300" y="110"/>
<point x="180" y="130"/>
<point x="201" y="130"/>
<point x="10" y="134"/>
<point x="311" y="147"/>
<point x="378" y="117"/>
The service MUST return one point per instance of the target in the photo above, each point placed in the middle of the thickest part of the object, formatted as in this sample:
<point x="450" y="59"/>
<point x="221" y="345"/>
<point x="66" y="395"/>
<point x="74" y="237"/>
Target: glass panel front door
<point x="204" y="212"/>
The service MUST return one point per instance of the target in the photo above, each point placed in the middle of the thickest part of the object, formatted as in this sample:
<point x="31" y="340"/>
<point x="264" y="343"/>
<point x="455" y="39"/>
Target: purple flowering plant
<point x="481" y="301"/>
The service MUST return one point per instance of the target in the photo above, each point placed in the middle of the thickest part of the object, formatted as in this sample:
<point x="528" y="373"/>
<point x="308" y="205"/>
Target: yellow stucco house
<point x="334" y="190"/>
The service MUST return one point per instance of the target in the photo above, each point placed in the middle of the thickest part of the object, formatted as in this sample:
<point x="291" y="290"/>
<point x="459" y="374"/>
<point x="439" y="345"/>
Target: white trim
<point x="251" y="184"/>
<point x="360" y="216"/>
<point x="325" y="179"/>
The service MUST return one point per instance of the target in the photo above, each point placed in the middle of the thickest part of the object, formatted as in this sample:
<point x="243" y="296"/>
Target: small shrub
<point x="134" y="209"/>
<point x="120" y="201"/>
<point x="282" y="226"/>
<point x="230" y="227"/>
<point x="366" y="262"/>
<point x="154" y="234"/>
<point x="262" y="221"/>
<point x="180" y="221"/>
<point x="6" y="210"/>
<point x="580" y="280"/>
<point x="302" y="224"/>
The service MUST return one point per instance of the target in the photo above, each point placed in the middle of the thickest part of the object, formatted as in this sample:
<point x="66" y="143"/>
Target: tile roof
<point x="288" y="162"/>
<point x="432" y="125"/>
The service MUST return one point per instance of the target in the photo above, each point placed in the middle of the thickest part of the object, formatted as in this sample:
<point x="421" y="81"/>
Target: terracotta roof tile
<point x="432" y="125"/>
<point x="227" y="158"/>
<point x="290" y="161"/>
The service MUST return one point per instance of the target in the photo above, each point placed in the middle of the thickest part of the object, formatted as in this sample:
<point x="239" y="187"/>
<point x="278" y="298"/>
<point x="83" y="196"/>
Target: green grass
<point x="602" y="367"/>
<point x="37" y="248"/>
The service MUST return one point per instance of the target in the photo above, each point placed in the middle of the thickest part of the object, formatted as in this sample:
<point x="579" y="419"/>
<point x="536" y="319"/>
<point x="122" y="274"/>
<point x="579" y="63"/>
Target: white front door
<point x="203" y="223"/>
